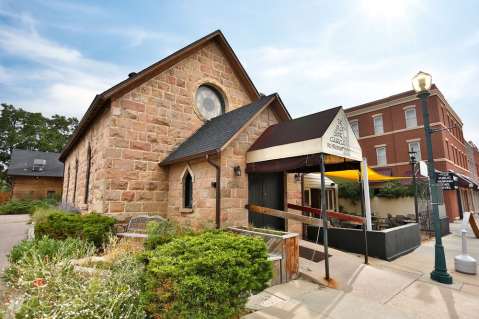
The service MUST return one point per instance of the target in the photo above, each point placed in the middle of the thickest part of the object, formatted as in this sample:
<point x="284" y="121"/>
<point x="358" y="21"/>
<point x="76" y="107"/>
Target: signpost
<point x="446" y="180"/>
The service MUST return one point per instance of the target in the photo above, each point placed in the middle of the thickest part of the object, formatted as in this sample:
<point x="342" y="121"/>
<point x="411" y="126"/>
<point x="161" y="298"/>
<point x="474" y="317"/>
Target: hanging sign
<point x="446" y="180"/>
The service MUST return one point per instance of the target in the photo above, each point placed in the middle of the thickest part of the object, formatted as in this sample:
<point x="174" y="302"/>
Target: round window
<point x="209" y="102"/>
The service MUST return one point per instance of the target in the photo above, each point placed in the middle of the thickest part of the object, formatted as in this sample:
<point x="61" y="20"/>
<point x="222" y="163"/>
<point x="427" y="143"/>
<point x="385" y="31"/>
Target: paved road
<point x="13" y="228"/>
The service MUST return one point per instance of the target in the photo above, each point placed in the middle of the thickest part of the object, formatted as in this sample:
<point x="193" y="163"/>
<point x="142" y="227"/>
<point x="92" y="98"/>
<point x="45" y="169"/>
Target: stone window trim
<point x="409" y="117"/>
<point x="378" y="119"/>
<point x="355" y="126"/>
<point x="184" y="207"/>
<point x="215" y="85"/>
<point x="415" y="145"/>
<point x="381" y="155"/>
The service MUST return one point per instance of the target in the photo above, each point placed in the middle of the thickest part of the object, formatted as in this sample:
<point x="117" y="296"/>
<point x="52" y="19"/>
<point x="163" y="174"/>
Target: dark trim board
<point x="387" y="244"/>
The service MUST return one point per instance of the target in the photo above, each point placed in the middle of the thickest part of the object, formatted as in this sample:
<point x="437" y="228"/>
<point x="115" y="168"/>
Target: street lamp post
<point x="412" y="160"/>
<point x="421" y="84"/>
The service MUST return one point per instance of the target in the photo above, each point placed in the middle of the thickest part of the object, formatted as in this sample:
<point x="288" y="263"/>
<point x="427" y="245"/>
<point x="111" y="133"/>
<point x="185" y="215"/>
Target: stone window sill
<point x="186" y="210"/>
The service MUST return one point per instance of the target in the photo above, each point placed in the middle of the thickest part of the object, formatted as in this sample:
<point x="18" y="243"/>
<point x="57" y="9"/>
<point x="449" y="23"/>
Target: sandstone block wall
<point x="96" y="139"/>
<point x="142" y="127"/>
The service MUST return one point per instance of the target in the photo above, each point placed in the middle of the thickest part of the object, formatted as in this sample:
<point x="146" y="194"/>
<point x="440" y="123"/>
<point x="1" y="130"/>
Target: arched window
<point x="187" y="190"/>
<point x="68" y="184"/>
<point x="75" y="185"/>
<point x="87" y="177"/>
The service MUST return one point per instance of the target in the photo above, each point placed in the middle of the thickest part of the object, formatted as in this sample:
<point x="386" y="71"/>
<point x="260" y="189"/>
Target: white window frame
<point x="412" y="122"/>
<point x="378" y="131"/>
<point x="380" y="163"/>
<point x="353" y="124"/>
<point x="418" y="153"/>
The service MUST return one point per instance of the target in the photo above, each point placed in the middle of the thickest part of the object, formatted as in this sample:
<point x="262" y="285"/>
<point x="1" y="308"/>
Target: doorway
<point x="267" y="190"/>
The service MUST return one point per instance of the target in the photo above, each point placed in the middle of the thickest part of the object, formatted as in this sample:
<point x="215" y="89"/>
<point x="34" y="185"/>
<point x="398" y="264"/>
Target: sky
<point x="56" y="55"/>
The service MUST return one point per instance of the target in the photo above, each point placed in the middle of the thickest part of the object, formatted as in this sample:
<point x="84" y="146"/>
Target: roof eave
<point x="93" y="110"/>
<point x="189" y="158"/>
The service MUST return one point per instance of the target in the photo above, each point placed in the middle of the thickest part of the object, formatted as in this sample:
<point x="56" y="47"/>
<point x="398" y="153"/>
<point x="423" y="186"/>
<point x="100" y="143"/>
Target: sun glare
<point x="385" y="9"/>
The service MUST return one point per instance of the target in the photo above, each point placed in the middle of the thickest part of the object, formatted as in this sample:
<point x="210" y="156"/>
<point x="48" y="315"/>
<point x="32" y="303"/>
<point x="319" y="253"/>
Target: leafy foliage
<point x="209" y="275"/>
<point x="391" y="190"/>
<point x="162" y="233"/>
<point x="26" y="130"/>
<point x="61" y="225"/>
<point x="351" y="191"/>
<point x="395" y="190"/>
<point x="25" y="206"/>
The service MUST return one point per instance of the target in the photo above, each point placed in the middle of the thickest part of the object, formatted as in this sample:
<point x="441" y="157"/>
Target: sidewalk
<point x="398" y="289"/>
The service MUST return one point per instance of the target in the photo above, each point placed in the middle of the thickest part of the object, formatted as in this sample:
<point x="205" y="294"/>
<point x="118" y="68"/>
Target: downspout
<point x="218" y="187"/>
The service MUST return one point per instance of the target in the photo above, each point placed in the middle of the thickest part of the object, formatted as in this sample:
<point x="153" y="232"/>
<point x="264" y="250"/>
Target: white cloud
<point x="57" y="79"/>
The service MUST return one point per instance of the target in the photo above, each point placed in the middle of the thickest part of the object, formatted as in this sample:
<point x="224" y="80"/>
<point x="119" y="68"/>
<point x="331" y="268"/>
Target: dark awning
<point x="296" y="145"/>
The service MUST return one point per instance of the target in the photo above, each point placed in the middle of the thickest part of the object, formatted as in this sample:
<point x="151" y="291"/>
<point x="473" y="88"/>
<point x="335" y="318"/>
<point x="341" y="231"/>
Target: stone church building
<point x="191" y="138"/>
<point x="172" y="140"/>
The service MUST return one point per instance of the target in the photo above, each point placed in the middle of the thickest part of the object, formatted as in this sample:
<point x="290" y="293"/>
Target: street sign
<point x="446" y="180"/>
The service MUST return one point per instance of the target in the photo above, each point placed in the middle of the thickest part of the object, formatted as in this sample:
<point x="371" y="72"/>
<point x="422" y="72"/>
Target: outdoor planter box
<point x="387" y="244"/>
<point x="283" y="249"/>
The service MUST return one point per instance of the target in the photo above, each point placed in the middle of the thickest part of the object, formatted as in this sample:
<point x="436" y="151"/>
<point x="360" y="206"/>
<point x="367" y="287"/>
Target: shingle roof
<point x="300" y="129"/>
<point x="217" y="132"/>
<point x="21" y="164"/>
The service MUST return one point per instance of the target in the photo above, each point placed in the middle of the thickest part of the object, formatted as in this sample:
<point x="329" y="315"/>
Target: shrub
<point x="28" y="258"/>
<point x="60" y="225"/>
<point x="26" y="206"/>
<point x="51" y="288"/>
<point x="162" y="233"/>
<point x="209" y="275"/>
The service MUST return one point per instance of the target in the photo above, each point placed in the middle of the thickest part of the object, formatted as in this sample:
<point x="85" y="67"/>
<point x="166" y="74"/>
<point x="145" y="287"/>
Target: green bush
<point x="209" y="275"/>
<point x="61" y="225"/>
<point x="395" y="190"/>
<point x="26" y="206"/>
<point x="162" y="233"/>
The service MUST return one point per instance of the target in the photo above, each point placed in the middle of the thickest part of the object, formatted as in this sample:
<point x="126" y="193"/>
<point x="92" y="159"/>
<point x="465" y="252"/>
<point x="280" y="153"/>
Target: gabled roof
<point x="103" y="99"/>
<point x="304" y="128"/>
<point x="297" y="145"/>
<point x="216" y="133"/>
<point x="21" y="164"/>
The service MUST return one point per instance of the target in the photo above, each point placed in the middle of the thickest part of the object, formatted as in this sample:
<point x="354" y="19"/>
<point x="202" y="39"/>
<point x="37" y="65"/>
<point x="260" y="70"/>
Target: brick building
<point x="172" y="140"/>
<point x="389" y="128"/>
<point x="35" y="175"/>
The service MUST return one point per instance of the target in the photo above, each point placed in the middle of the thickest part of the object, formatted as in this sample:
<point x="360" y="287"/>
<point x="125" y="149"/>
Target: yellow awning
<point x="353" y="176"/>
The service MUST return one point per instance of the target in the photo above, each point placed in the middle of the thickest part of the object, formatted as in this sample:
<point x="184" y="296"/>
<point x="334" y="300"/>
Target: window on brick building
<point x="410" y="116"/>
<point x="416" y="148"/>
<point x="87" y="175"/>
<point x="355" y="127"/>
<point x="381" y="156"/>
<point x="448" y="155"/>
<point x="187" y="188"/>
<point x="378" y="124"/>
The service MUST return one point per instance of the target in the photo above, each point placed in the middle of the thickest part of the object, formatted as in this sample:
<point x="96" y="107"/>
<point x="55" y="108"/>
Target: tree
<point x="32" y="131"/>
